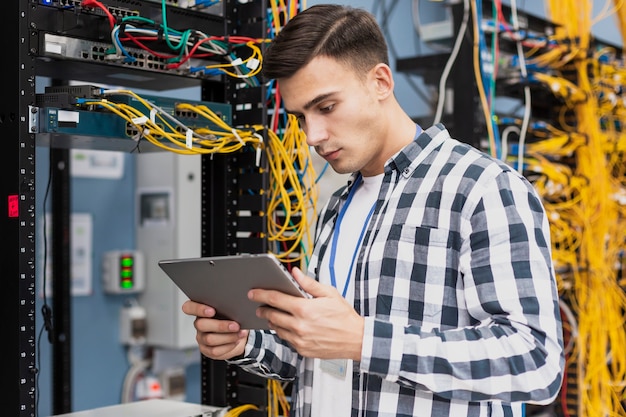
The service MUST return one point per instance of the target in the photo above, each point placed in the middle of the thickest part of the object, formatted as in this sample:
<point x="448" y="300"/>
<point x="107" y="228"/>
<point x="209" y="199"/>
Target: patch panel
<point x="122" y="69"/>
<point x="101" y="130"/>
<point x="65" y="47"/>
<point x="65" y="31"/>
<point x="205" y="6"/>
<point x="118" y="12"/>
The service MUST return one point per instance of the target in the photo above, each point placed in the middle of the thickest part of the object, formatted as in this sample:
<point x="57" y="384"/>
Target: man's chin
<point x="340" y="169"/>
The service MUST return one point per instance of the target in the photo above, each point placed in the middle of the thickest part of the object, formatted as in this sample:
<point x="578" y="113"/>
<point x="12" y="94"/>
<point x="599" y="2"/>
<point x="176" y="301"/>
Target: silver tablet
<point x="222" y="282"/>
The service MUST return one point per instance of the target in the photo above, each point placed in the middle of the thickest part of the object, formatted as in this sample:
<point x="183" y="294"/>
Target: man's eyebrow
<point x="311" y="103"/>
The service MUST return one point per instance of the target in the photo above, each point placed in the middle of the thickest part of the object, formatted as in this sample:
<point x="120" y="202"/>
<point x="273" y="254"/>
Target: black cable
<point x="46" y="310"/>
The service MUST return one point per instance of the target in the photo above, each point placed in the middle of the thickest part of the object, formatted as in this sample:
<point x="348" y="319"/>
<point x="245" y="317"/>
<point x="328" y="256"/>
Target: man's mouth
<point x="329" y="156"/>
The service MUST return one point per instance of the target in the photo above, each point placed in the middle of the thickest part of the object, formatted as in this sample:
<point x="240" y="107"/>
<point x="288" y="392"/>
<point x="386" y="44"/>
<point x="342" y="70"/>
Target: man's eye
<point x="327" y="108"/>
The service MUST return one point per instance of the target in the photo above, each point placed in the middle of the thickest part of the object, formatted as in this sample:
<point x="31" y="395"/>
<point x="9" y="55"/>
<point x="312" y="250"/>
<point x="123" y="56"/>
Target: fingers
<point x="217" y="339"/>
<point x="286" y="302"/>
<point x="191" y="308"/>
<point x="287" y="311"/>
<point x="222" y="346"/>
<point x="309" y="284"/>
<point x="211" y="325"/>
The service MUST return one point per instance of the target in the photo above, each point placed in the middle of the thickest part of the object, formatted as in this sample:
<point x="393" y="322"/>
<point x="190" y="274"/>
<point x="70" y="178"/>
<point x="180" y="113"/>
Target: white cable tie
<point x="188" y="138"/>
<point x="141" y="134"/>
<point x="153" y="113"/>
<point x="253" y="64"/>
<point x="238" y="137"/>
<point x="139" y="120"/>
<point x="258" y="149"/>
<point x="237" y="61"/>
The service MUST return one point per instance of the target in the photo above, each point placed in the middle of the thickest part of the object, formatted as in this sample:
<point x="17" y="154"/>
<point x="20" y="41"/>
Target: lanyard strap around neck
<point x="333" y="247"/>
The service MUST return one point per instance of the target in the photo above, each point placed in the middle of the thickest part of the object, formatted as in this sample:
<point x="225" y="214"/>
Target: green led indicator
<point x="126" y="262"/>
<point x="126" y="272"/>
<point x="127" y="284"/>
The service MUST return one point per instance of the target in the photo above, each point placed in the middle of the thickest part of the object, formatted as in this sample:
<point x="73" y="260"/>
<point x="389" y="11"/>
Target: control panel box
<point x="168" y="224"/>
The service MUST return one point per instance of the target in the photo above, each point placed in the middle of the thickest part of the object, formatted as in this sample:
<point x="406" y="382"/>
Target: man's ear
<point x="382" y="78"/>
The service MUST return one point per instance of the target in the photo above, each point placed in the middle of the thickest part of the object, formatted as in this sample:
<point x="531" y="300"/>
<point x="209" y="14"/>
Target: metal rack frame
<point x="220" y="192"/>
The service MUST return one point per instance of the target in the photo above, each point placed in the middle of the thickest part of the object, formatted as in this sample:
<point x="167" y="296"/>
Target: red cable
<point x="95" y="3"/>
<point x="276" y="109"/>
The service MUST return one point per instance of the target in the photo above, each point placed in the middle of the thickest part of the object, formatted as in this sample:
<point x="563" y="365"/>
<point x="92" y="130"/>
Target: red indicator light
<point x="13" y="206"/>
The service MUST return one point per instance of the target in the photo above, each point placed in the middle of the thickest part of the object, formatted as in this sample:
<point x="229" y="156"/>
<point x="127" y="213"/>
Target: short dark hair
<point x="348" y="34"/>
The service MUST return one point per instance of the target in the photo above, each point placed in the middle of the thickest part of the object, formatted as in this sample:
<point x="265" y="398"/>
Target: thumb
<point x="308" y="284"/>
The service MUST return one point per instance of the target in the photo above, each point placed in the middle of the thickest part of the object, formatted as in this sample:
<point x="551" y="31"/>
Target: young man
<point x="433" y="288"/>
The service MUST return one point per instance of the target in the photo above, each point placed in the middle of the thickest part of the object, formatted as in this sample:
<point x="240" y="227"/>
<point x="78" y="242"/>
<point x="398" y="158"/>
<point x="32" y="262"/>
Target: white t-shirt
<point x="332" y="393"/>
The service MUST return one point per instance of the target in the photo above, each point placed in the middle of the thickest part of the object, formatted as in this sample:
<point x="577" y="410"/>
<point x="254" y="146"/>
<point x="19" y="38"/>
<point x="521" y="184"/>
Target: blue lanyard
<point x="333" y="247"/>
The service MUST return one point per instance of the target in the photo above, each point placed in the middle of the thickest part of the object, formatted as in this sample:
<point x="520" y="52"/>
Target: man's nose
<point x="315" y="131"/>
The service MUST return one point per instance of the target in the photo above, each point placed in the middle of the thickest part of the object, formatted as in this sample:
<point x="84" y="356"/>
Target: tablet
<point x="222" y="282"/>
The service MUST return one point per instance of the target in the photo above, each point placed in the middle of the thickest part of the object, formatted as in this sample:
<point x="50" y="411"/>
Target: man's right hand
<point x="217" y="339"/>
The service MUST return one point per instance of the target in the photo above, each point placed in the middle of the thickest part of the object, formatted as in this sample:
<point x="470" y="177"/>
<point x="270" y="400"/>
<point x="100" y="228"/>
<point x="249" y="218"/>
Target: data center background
<point x="97" y="363"/>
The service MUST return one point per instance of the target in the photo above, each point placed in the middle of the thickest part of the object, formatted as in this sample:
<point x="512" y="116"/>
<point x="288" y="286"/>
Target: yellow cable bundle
<point x="601" y="318"/>
<point x="292" y="207"/>
<point x="277" y="404"/>
<point x="560" y="192"/>
<point x="168" y="133"/>
<point x="282" y="13"/>
<point x="596" y="222"/>
<point x="562" y="88"/>
<point x="554" y="142"/>
<point x="239" y="410"/>
<point x="292" y="200"/>
<point x="553" y="57"/>
<point x="255" y="68"/>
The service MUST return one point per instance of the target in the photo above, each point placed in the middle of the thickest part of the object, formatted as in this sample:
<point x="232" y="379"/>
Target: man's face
<point x="340" y="113"/>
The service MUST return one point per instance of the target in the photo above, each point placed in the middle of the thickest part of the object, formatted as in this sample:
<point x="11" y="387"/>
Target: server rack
<point x="18" y="214"/>
<point x="465" y="120"/>
<point x="548" y="107"/>
<point x="25" y="45"/>
<point x="224" y="176"/>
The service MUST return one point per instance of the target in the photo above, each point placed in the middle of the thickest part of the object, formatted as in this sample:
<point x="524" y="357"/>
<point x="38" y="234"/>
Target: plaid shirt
<point x="457" y="288"/>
